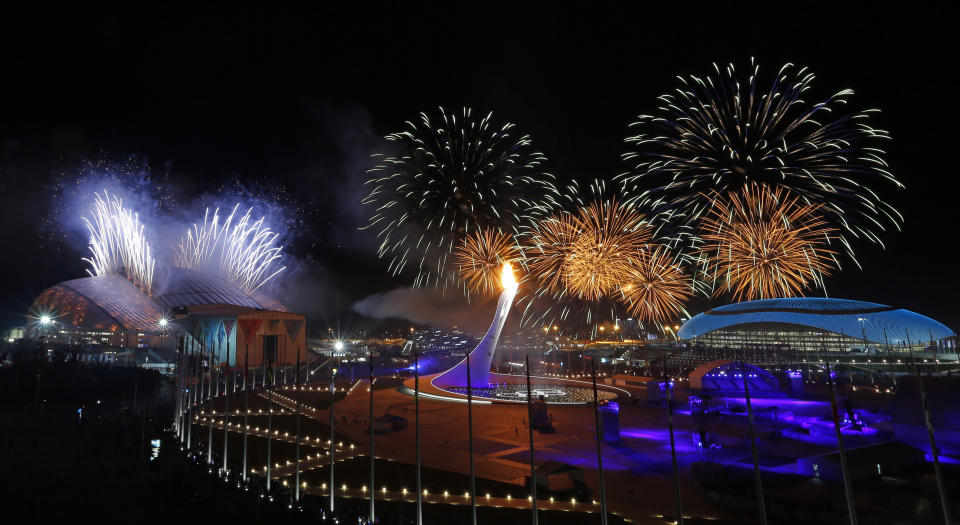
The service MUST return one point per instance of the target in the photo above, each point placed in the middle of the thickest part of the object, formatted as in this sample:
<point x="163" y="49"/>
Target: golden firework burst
<point x="609" y="236"/>
<point x="761" y="243"/>
<point x="588" y="254"/>
<point x="657" y="287"/>
<point x="480" y="259"/>
<point x="548" y="246"/>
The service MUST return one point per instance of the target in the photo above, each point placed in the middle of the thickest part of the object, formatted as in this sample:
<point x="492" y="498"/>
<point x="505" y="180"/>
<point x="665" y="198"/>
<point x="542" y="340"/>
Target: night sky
<point x="303" y="98"/>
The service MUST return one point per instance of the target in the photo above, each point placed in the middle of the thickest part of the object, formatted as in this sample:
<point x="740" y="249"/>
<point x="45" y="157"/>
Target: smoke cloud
<point x="431" y="307"/>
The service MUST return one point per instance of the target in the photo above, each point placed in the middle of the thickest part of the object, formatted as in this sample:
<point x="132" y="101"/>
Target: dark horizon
<point x="303" y="100"/>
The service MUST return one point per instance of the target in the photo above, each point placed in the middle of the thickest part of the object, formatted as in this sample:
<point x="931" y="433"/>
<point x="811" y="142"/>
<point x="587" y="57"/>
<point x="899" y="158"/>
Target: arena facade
<point x="808" y="324"/>
<point x="186" y="305"/>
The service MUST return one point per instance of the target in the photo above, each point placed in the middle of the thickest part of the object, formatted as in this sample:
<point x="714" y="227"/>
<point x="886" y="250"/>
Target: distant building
<point x="455" y="342"/>
<point x="808" y="324"/>
<point x="12" y="334"/>
<point x="202" y="312"/>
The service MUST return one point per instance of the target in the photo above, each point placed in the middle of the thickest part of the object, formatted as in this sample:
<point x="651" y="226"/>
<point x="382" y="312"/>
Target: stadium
<point x="110" y="310"/>
<point x="807" y="324"/>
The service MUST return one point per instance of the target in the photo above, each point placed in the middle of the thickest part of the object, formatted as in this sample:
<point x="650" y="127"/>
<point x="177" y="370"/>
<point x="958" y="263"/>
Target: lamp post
<point x="333" y="390"/>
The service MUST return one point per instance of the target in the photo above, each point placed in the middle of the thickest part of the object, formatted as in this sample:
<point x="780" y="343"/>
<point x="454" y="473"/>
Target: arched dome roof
<point x="109" y="303"/>
<point x="841" y="316"/>
<point x="179" y="287"/>
<point x="112" y="303"/>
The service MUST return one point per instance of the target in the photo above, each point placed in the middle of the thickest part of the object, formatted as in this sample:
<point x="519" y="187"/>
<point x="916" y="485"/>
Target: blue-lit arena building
<point x="808" y="324"/>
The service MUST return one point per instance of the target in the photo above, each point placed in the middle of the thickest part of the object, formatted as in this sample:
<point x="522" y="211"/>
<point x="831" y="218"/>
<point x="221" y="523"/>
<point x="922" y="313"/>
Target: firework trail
<point x="117" y="242"/>
<point x="242" y="250"/>
<point x="718" y="132"/>
<point x="657" y="288"/>
<point x="765" y="243"/>
<point x="452" y="176"/>
<point x="480" y="260"/>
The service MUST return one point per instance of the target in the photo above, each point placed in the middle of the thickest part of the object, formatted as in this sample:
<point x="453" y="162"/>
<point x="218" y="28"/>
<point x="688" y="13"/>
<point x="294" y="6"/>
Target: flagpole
<point x="226" y="411"/>
<point x="473" y="478"/>
<point x="333" y="391"/>
<point x="269" y="414"/>
<point x="757" y="480"/>
<point x="178" y="421"/>
<point x="596" y="420"/>
<point x="934" y="451"/>
<point x="190" y="392"/>
<point x="533" y="468"/>
<point x="673" y="454"/>
<point x="200" y="378"/>
<point x="246" y="405"/>
<point x="416" y="412"/>
<point x="216" y="388"/>
<point x="847" y="485"/>
<point x="372" y="491"/>
<point x="210" y="368"/>
<point x="210" y="406"/>
<point x="297" y="383"/>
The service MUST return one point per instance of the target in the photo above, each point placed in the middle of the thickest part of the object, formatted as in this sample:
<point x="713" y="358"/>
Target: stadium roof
<point x="841" y="316"/>
<point x="112" y="303"/>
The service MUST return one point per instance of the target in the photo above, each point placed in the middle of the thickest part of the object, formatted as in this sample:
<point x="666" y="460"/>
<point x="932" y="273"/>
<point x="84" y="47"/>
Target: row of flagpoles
<point x="191" y="380"/>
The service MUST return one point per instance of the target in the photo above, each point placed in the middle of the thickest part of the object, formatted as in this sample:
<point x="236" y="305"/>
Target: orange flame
<point x="507" y="279"/>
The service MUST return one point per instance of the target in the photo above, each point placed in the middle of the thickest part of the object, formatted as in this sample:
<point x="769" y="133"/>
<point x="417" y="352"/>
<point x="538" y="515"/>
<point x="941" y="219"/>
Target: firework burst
<point x="599" y="258"/>
<point x="765" y="243"/>
<point x="241" y="249"/>
<point x="480" y="259"/>
<point x="117" y="242"/>
<point x="657" y="287"/>
<point x="715" y="133"/>
<point x="450" y="177"/>
<point x="577" y="261"/>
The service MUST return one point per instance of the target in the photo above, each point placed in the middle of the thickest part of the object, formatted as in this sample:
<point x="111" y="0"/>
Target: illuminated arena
<point x="109" y="309"/>
<point x="816" y="325"/>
